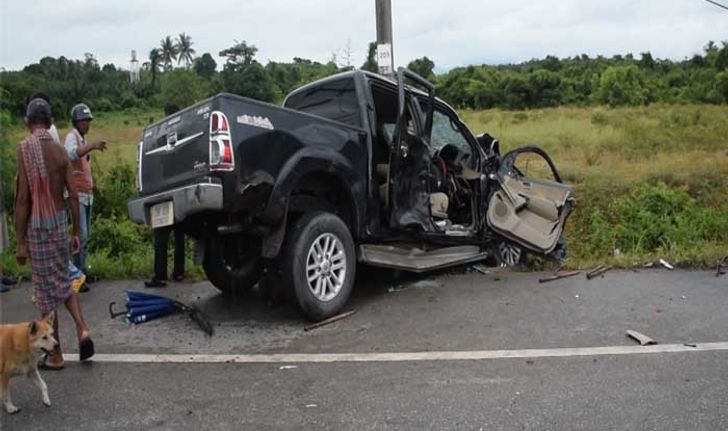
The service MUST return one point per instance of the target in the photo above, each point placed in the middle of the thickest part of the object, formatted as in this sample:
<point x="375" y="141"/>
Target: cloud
<point x="452" y="33"/>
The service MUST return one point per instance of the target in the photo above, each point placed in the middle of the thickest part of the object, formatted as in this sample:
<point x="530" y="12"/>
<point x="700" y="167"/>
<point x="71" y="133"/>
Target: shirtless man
<point x="43" y="172"/>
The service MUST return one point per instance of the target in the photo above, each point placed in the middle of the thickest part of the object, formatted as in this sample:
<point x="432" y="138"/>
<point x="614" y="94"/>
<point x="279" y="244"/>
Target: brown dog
<point x="20" y="345"/>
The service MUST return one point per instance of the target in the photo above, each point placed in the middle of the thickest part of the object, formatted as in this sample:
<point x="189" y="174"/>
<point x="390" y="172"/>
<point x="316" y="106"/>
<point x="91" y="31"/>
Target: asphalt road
<point x="500" y="314"/>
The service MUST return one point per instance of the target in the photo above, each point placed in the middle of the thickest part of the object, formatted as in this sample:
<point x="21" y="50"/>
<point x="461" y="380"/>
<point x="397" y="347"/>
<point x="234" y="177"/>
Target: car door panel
<point x="526" y="210"/>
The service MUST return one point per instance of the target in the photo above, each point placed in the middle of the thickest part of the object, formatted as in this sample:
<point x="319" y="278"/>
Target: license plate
<point x="162" y="214"/>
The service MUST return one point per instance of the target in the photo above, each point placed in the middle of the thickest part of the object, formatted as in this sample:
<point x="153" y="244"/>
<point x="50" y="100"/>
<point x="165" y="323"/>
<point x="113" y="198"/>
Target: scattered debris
<point x="643" y="339"/>
<point x="596" y="272"/>
<point x="576" y="296"/>
<point x="719" y="270"/>
<point x="559" y="276"/>
<point x="690" y="345"/>
<point x="481" y="269"/>
<point x="142" y="307"/>
<point x="310" y="406"/>
<point x="329" y="320"/>
<point x="648" y="265"/>
<point x="666" y="264"/>
<point x="288" y="367"/>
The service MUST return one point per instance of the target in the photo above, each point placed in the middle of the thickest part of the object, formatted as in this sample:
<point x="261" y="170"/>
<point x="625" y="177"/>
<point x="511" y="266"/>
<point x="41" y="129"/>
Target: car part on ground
<point x="559" y="276"/>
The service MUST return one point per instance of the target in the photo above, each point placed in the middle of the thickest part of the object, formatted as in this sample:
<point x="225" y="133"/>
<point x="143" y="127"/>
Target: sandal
<point x="85" y="349"/>
<point x="43" y="364"/>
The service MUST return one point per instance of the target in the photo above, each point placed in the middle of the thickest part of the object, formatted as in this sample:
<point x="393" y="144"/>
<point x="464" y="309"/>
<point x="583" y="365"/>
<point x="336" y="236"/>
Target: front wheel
<point x="508" y="254"/>
<point x="319" y="264"/>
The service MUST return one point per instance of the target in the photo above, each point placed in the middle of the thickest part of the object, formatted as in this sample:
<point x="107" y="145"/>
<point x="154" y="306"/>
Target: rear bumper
<point x="187" y="200"/>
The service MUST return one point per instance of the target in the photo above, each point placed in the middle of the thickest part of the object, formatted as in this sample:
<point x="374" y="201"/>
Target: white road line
<point x="475" y="355"/>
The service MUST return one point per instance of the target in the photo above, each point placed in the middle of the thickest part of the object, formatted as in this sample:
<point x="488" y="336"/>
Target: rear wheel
<point x="319" y="264"/>
<point x="232" y="263"/>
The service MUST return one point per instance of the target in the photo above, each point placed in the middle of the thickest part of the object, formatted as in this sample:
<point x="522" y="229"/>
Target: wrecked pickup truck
<point x="354" y="169"/>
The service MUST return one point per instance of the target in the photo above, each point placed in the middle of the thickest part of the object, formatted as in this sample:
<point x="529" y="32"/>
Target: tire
<point x="508" y="254"/>
<point x="320" y="249"/>
<point x="232" y="263"/>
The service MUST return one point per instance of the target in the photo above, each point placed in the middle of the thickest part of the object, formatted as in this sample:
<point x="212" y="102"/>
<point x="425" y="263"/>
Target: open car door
<point x="529" y="211"/>
<point x="409" y="163"/>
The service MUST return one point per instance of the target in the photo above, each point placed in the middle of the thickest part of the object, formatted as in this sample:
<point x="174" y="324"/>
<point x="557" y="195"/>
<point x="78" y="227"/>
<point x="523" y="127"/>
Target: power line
<point x="717" y="4"/>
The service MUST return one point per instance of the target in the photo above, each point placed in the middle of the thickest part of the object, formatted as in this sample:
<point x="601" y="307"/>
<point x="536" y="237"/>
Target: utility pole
<point x="385" y="57"/>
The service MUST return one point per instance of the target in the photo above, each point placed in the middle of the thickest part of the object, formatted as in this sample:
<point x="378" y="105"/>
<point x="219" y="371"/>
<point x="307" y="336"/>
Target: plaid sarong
<point x="47" y="229"/>
<point x="49" y="255"/>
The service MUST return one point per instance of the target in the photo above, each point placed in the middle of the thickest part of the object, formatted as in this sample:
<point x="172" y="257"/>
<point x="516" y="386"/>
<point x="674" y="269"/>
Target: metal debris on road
<point x="596" y="272"/>
<point x="329" y="320"/>
<point x="666" y="264"/>
<point x="690" y="345"/>
<point x="481" y="269"/>
<point x="559" y="276"/>
<point x="643" y="339"/>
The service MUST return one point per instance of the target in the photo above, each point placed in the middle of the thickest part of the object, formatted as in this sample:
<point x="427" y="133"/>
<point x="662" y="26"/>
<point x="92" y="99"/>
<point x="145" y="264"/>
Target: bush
<point x="655" y="218"/>
<point x="114" y="188"/>
<point x="118" y="236"/>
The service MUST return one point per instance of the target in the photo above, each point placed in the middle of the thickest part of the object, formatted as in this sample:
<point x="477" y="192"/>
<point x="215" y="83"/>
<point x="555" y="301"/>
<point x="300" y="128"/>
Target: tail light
<point x="222" y="157"/>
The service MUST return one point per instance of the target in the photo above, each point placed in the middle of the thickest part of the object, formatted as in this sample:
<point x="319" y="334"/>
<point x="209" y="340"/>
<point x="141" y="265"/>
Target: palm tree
<point x="169" y="52"/>
<point x="155" y="60"/>
<point x="185" y="51"/>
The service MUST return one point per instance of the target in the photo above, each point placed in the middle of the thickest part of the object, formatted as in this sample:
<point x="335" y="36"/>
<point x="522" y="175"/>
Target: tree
<point x="205" y="66"/>
<point x="622" y="85"/>
<point x="181" y="87"/>
<point x="155" y="60"/>
<point x="250" y="80"/>
<point x="185" y="52"/>
<point x="347" y="56"/>
<point x="240" y="54"/>
<point x="721" y="85"/>
<point x="423" y="67"/>
<point x="371" y="63"/>
<point x="169" y="52"/>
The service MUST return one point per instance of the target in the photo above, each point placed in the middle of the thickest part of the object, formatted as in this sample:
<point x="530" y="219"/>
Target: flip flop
<point x="43" y="364"/>
<point x="85" y="349"/>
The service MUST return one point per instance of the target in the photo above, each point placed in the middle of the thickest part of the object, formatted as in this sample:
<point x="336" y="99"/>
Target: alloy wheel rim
<point x="510" y="254"/>
<point x="326" y="267"/>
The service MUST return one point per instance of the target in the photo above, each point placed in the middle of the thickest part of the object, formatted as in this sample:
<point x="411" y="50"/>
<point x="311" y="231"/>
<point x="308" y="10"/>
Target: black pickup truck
<point x="354" y="169"/>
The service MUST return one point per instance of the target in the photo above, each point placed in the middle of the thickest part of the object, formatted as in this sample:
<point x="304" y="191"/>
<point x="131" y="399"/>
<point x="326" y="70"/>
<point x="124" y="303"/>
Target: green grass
<point x="627" y="164"/>
<point x="610" y="155"/>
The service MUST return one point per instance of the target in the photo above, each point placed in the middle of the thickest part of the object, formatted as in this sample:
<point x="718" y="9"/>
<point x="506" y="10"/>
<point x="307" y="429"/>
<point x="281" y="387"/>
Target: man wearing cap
<point x="78" y="152"/>
<point x="43" y="173"/>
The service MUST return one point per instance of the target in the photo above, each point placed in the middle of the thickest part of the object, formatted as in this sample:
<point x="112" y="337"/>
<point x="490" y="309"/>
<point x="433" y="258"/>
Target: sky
<point x="450" y="32"/>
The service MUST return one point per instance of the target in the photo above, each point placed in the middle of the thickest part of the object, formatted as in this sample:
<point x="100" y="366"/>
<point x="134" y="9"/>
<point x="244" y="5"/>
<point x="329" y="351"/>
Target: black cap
<point x="38" y="109"/>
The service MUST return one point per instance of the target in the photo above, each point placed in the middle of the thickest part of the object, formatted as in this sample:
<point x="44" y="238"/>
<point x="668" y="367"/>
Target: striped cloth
<point x="47" y="229"/>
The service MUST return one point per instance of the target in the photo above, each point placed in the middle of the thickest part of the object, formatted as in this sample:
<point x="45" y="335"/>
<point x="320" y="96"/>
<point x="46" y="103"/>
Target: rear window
<point x="335" y="100"/>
